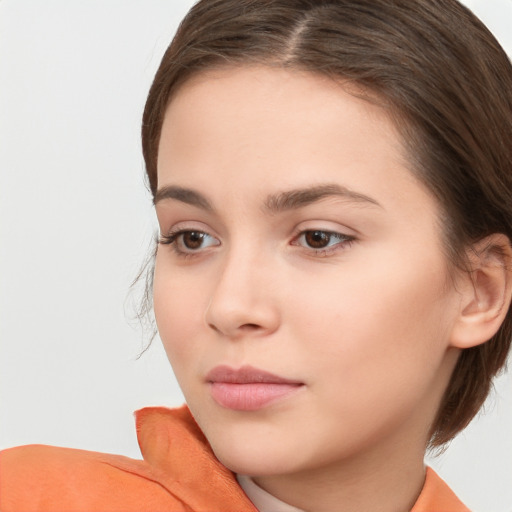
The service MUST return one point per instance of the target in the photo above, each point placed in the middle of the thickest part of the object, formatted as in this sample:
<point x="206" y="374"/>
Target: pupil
<point x="193" y="240"/>
<point x="317" y="239"/>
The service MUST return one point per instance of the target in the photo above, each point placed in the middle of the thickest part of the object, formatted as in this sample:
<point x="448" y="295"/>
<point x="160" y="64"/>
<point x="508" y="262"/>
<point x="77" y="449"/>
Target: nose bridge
<point x="242" y="299"/>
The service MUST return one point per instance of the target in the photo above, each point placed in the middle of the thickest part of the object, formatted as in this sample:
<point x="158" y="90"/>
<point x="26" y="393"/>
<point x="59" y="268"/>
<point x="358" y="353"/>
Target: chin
<point x="252" y="452"/>
<point x="252" y="462"/>
<point x="262" y="443"/>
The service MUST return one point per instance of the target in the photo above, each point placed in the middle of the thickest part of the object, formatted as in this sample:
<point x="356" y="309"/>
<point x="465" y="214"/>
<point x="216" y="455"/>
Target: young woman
<point x="332" y="282"/>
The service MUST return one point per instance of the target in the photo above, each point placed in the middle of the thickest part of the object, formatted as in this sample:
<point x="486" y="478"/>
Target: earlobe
<point x="486" y="292"/>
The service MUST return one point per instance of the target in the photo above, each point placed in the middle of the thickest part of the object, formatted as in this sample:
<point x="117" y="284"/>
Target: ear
<point x="486" y="292"/>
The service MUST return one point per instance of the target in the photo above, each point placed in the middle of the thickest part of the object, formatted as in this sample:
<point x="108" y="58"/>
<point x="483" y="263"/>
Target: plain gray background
<point x="76" y="223"/>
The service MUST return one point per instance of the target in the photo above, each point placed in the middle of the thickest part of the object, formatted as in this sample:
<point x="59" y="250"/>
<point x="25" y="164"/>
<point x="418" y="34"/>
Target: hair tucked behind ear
<point x="442" y="77"/>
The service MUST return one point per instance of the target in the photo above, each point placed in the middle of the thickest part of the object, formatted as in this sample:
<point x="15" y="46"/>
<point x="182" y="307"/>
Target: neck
<point x="388" y="481"/>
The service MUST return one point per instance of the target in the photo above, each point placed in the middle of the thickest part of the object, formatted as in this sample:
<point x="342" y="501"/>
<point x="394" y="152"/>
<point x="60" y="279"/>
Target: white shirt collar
<point x="261" y="499"/>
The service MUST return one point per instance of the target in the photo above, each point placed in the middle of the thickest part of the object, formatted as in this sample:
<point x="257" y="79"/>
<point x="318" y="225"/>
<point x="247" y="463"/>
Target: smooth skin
<point x="296" y="239"/>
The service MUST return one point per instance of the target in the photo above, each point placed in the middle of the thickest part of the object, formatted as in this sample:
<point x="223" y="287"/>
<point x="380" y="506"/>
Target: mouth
<point x="248" y="388"/>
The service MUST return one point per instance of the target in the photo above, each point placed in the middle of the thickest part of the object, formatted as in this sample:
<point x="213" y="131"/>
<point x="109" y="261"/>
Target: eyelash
<point x="173" y="237"/>
<point x="344" y="241"/>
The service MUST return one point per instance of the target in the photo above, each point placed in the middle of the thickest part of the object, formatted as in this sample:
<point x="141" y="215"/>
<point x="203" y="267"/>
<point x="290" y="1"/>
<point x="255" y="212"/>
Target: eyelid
<point x="187" y="225"/>
<point x="173" y="235"/>
<point x="336" y="234"/>
<point x="345" y="235"/>
<point x="326" y="226"/>
<point x="172" y="238"/>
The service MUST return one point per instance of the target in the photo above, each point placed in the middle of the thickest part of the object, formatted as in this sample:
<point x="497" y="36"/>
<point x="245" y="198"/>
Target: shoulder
<point x="44" y="478"/>
<point x="437" y="496"/>
<point x="178" y="473"/>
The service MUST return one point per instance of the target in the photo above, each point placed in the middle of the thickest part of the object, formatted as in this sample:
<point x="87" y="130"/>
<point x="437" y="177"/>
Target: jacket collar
<point x="180" y="458"/>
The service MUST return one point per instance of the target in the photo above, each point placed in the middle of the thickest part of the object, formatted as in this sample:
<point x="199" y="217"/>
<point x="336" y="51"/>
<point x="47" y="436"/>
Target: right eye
<point x="188" y="241"/>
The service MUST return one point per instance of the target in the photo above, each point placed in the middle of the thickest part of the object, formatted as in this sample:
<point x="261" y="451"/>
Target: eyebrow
<point x="185" y="195"/>
<point x="299" y="198"/>
<point x="274" y="203"/>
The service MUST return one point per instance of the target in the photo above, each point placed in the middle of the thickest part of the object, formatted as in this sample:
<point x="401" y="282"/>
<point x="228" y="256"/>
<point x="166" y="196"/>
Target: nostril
<point x="212" y="326"/>
<point x="249" y="327"/>
<point x="244" y="328"/>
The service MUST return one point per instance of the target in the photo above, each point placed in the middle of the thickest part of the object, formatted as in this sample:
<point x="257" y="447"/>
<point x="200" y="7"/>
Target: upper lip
<point x="245" y="375"/>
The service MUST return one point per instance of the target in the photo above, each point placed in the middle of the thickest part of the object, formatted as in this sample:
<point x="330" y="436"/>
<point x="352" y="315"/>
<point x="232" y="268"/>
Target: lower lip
<point x="251" y="396"/>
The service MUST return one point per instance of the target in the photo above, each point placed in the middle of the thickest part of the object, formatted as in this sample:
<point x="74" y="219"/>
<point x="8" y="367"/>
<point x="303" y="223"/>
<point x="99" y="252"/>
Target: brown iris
<point x="317" y="239"/>
<point x="193" y="239"/>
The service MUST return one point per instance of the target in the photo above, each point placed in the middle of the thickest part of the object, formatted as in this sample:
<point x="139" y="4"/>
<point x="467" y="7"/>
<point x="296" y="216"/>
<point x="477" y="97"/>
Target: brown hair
<point x="444" y="79"/>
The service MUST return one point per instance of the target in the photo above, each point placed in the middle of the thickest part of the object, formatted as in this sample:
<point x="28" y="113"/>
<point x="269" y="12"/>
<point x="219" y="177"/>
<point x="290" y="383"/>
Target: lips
<point x="248" y="388"/>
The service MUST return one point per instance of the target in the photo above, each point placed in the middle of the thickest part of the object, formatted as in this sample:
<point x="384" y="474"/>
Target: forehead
<point x="287" y="98"/>
<point x="254" y="128"/>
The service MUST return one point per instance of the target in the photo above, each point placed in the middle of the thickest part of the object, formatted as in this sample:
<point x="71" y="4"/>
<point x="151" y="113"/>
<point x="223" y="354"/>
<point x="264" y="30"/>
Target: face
<point x="300" y="290"/>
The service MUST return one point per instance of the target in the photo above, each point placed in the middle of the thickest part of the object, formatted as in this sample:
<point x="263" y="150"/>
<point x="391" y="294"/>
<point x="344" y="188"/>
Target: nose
<point x="243" y="301"/>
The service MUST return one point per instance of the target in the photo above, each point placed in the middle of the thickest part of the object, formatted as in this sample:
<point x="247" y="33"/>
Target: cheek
<point x="373" y="347"/>
<point x="177" y="306"/>
<point x="379" y="322"/>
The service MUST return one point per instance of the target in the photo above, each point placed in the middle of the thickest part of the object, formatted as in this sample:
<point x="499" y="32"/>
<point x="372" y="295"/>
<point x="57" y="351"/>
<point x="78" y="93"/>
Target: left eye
<point x="317" y="239"/>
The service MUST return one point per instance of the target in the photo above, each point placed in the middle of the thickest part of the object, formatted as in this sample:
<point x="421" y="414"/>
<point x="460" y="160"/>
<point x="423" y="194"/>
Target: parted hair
<point x="445" y="82"/>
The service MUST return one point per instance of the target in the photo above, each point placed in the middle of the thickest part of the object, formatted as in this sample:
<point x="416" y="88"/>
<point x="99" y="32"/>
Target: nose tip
<point x="255" y="320"/>
<point x="242" y="306"/>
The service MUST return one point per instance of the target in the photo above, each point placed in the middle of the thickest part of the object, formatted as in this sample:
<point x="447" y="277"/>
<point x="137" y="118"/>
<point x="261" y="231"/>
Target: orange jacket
<point x="179" y="473"/>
